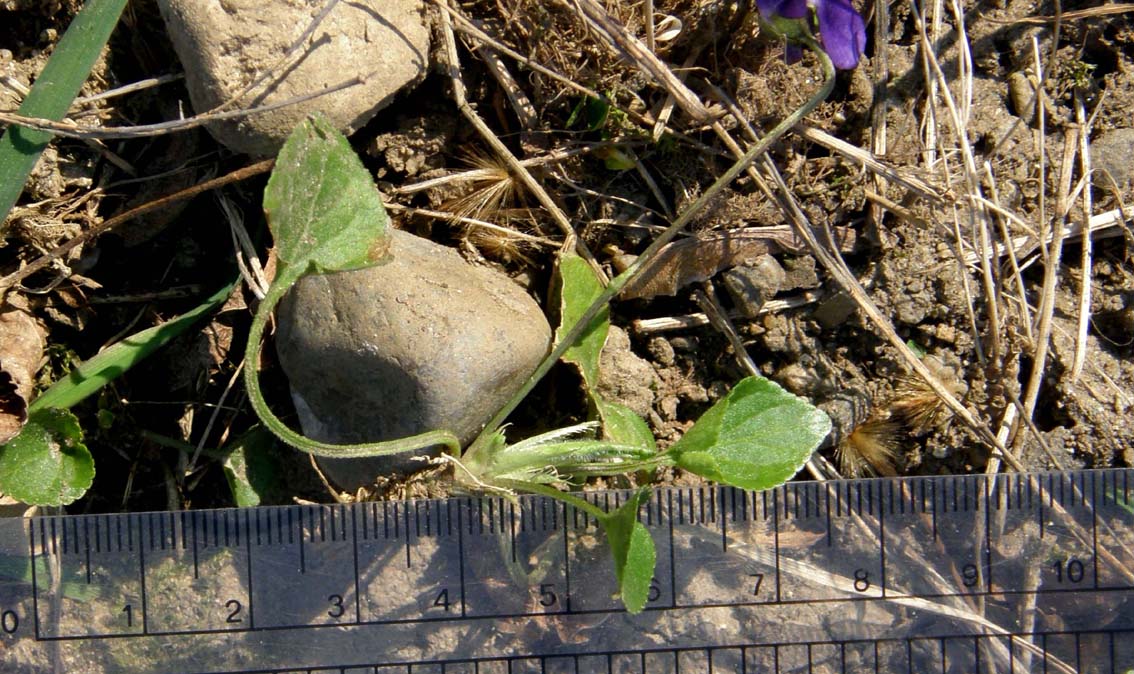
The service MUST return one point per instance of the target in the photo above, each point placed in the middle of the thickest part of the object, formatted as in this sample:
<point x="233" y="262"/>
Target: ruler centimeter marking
<point x="737" y="657"/>
<point x="1059" y="542"/>
<point x="691" y="508"/>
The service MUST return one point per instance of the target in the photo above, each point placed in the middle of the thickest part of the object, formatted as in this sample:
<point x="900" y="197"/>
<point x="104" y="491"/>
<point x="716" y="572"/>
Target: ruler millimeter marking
<point x="1002" y="565"/>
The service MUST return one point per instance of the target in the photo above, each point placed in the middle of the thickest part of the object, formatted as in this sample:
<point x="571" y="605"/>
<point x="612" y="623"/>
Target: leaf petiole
<point x="280" y="429"/>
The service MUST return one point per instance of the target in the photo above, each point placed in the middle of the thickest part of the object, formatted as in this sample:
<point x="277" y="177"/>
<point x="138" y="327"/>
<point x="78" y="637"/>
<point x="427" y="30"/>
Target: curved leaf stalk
<point x="280" y="429"/>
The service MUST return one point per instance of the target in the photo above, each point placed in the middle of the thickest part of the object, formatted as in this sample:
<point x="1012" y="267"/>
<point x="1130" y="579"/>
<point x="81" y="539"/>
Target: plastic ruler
<point x="1017" y="573"/>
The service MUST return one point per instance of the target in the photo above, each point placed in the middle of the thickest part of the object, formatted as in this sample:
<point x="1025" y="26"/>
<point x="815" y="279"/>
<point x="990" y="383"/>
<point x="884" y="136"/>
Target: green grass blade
<point x="69" y="66"/>
<point x="113" y="362"/>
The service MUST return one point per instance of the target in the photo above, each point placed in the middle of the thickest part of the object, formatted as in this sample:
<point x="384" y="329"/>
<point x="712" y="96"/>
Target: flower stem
<point x="619" y="282"/>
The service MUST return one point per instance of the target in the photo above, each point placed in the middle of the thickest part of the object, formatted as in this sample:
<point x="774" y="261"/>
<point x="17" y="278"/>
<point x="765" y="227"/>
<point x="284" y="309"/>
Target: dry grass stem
<point x="620" y="39"/>
<point x="483" y="173"/>
<point x="1074" y="15"/>
<point x="571" y="240"/>
<point x="474" y="223"/>
<point x="1085" y="260"/>
<point x="1052" y="259"/>
<point x="651" y="326"/>
<point x="871" y="163"/>
<point x="247" y="261"/>
<point x="521" y="105"/>
<point x="110" y="223"/>
<point x="879" y="110"/>
<point x="133" y="87"/>
<point x="84" y="132"/>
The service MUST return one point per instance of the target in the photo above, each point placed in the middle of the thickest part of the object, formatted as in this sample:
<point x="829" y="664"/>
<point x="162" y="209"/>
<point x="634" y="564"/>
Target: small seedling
<point x="326" y="215"/>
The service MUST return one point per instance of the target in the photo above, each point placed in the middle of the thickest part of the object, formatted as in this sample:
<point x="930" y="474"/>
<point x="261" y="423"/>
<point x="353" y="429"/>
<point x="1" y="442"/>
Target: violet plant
<point x="326" y="215"/>
<point x="840" y="29"/>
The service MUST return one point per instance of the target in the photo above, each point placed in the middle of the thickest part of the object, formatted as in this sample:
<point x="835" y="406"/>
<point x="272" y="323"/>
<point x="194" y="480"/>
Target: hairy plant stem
<point x="619" y="282"/>
<point x="570" y="499"/>
<point x="274" y="424"/>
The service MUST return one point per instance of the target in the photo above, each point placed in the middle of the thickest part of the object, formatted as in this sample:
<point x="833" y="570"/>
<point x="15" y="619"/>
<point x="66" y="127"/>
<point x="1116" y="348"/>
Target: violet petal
<point x="842" y="31"/>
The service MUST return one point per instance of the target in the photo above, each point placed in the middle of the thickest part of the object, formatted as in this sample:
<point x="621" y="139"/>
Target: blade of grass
<point x="69" y="66"/>
<point x="111" y="363"/>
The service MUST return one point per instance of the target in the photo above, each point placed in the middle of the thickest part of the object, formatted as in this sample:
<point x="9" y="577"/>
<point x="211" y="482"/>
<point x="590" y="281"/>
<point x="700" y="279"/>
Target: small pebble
<point x="683" y="344"/>
<point x="752" y="285"/>
<point x="662" y="351"/>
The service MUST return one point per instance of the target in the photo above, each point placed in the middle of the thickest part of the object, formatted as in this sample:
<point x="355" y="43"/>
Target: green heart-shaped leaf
<point x="323" y="208"/>
<point x="756" y="437"/>
<point x="47" y="463"/>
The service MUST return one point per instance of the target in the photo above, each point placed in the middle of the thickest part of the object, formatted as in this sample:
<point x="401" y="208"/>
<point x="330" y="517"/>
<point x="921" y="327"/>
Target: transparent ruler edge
<point x="884" y="499"/>
<point x="775" y="655"/>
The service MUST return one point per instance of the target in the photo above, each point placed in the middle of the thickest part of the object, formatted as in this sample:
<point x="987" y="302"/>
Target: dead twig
<point x="107" y="225"/>
<point x="1075" y="15"/>
<point x="571" y="240"/>
<point x="83" y="132"/>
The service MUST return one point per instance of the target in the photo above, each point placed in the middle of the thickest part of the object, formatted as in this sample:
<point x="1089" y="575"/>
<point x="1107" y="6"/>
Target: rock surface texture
<point x="1111" y="152"/>
<point x="425" y="341"/>
<point x="226" y="45"/>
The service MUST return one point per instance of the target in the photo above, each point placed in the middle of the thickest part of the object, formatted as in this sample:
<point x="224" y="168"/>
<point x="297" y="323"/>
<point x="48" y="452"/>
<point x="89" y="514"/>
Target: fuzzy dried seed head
<point x="493" y="200"/>
<point x="916" y="404"/>
<point x="493" y="189"/>
<point x="870" y="448"/>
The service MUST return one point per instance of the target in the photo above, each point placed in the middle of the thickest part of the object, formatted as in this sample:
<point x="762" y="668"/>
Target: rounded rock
<point x="425" y="341"/>
<point x="224" y="45"/>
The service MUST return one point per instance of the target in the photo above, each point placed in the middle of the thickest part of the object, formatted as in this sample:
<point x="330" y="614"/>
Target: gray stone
<point x="834" y="310"/>
<point x="425" y="341"/>
<point x="224" y="45"/>
<point x="1113" y="152"/>
<point x="753" y="284"/>
<point x="801" y="274"/>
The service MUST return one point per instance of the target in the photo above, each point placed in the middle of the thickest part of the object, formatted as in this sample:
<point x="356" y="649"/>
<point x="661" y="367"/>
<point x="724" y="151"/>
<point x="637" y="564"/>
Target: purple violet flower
<point x="841" y="29"/>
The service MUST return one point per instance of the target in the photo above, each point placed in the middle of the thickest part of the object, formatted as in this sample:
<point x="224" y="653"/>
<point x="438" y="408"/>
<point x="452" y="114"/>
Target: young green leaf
<point x="54" y="89"/>
<point x="622" y="426"/>
<point x="615" y="159"/>
<point x="325" y="215"/>
<point x="756" y="437"/>
<point x="47" y="463"/>
<point x="323" y="208"/>
<point x="252" y="468"/>
<point x="100" y="370"/>
<point x="633" y="550"/>
<point x="578" y="287"/>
